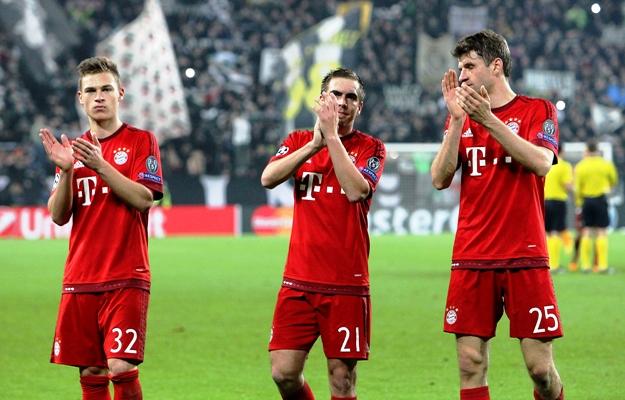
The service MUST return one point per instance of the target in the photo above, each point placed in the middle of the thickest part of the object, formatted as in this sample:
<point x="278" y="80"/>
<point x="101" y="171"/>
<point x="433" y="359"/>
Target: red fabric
<point x="478" y="393"/>
<point x="95" y="387"/>
<point x="330" y="240"/>
<point x="98" y="213"/>
<point x="502" y="203"/>
<point x="92" y="327"/>
<point x="304" y="393"/>
<point x="126" y="386"/>
<point x="476" y="300"/>
<point x="342" y="321"/>
<point x="343" y="398"/>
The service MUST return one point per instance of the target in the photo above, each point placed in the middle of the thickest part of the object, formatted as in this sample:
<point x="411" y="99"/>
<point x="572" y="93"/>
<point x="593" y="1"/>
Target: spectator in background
<point x="595" y="178"/>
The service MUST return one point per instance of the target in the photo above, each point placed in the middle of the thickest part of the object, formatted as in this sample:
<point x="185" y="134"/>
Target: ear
<point x="122" y="90"/>
<point x="79" y="95"/>
<point x="497" y="65"/>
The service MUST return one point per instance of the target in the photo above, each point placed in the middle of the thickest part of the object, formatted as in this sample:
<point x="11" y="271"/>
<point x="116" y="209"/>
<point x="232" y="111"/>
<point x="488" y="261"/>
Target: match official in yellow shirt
<point x="558" y="185"/>
<point x="595" y="178"/>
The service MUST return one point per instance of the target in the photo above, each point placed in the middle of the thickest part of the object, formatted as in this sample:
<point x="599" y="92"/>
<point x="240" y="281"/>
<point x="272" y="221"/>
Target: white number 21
<point x="547" y="315"/>
<point x="344" y="348"/>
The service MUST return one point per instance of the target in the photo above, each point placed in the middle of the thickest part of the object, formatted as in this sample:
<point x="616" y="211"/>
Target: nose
<point x="463" y="76"/>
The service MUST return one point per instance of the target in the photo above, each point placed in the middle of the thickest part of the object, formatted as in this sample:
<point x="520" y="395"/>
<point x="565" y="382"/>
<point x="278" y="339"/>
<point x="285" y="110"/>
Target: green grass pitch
<point x="211" y="307"/>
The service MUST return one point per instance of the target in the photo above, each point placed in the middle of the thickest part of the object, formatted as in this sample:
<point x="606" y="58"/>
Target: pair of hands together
<point x="326" y="107"/>
<point x="463" y="100"/>
<point x="64" y="153"/>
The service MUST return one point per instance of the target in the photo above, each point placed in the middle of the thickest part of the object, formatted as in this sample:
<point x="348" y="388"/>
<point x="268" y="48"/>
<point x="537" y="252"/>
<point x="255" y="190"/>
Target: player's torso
<point x="501" y="201"/>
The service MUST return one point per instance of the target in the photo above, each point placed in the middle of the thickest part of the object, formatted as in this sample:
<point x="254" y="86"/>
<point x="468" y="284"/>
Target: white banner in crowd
<point x="154" y="98"/>
<point x="546" y="81"/>
<point x="433" y="59"/>
<point x="467" y="20"/>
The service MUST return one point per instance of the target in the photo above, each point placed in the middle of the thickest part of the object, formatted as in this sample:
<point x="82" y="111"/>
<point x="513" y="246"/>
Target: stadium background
<point x="220" y="83"/>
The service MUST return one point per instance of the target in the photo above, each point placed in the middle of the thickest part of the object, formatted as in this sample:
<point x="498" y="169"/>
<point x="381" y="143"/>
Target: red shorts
<point x="93" y="327"/>
<point x="342" y="321"/>
<point x="476" y="300"/>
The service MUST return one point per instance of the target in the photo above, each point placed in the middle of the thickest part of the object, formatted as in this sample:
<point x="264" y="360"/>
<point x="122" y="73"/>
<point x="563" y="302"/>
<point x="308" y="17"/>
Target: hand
<point x="59" y="153"/>
<point x="89" y="153"/>
<point x="318" y="141"/>
<point x="448" y="87"/>
<point x="477" y="105"/>
<point x="326" y="108"/>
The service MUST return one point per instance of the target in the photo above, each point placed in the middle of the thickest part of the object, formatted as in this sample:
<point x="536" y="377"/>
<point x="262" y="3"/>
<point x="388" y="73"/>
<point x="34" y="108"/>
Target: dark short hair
<point x="591" y="145"/>
<point x="96" y="65"/>
<point x="487" y="44"/>
<point x="344" y="73"/>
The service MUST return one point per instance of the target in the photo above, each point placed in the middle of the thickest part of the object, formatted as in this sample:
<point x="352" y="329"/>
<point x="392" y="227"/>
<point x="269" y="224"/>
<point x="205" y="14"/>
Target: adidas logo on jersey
<point x="467" y="133"/>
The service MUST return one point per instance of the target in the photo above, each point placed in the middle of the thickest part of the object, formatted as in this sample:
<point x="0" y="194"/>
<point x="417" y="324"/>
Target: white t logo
<point x="310" y="185"/>
<point x="472" y="154"/>
<point x="87" y="189"/>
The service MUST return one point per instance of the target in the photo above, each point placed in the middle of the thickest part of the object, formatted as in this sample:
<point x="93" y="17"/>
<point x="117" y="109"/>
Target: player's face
<point x="474" y="71"/>
<point x="100" y="96"/>
<point x="346" y="92"/>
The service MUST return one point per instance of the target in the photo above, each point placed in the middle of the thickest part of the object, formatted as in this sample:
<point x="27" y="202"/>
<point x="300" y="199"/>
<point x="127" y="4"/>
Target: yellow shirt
<point x="557" y="181"/>
<point x="594" y="176"/>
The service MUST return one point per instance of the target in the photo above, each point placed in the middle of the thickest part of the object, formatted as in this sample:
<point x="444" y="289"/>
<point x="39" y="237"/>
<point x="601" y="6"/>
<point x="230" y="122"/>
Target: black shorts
<point x="555" y="215"/>
<point x="595" y="212"/>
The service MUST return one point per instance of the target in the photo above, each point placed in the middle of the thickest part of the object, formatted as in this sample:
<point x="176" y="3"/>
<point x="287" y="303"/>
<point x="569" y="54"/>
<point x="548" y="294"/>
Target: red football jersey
<point x="329" y="247"/>
<point x="108" y="245"/>
<point x="501" y="218"/>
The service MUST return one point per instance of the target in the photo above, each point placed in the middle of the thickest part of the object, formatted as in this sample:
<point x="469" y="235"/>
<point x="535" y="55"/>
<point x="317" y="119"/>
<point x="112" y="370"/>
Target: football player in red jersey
<point x="106" y="181"/>
<point x="504" y="144"/>
<point x="325" y="286"/>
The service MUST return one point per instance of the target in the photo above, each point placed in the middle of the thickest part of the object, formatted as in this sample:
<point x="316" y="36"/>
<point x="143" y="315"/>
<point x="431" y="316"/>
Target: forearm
<point x="132" y="193"/>
<point x="282" y="169"/>
<point x="60" y="202"/>
<point x="352" y="182"/>
<point x="527" y="154"/>
<point x="445" y="162"/>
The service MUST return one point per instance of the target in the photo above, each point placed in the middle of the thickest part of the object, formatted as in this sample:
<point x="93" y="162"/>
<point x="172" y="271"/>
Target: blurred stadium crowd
<point x="222" y="42"/>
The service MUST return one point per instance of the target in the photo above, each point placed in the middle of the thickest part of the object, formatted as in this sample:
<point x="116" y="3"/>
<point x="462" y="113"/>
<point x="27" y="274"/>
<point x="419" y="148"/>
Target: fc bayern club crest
<point x="121" y="156"/>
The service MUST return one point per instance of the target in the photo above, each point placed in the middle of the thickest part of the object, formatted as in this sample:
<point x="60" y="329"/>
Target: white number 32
<point x="547" y="315"/>
<point x="118" y="341"/>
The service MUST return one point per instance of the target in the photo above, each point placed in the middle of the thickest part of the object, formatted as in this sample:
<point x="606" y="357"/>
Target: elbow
<point x="60" y="220"/>
<point x="358" y="195"/>
<point x="439" y="183"/>
<point x="542" y="169"/>
<point x="266" y="182"/>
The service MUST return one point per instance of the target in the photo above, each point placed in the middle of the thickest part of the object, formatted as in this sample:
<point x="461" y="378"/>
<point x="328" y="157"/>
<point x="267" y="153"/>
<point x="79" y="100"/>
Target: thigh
<point x="77" y="337"/>
<point x="595" y="212"/>
<point x="294" y="325"/>
<point x="345" y="324"/>
<point x="123" y="321"/>
<point x="531" y="304"/>
<point x="474" y="304"/>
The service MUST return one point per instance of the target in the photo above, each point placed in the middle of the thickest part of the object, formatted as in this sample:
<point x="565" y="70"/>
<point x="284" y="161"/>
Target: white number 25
<point x="547" y="315"/>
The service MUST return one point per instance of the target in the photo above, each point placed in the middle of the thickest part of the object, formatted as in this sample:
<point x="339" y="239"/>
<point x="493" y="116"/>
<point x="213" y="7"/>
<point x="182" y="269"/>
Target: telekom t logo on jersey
<point x="311" y="183"/>
<point x="477" y="158"/>
<point x="86" y="189"/>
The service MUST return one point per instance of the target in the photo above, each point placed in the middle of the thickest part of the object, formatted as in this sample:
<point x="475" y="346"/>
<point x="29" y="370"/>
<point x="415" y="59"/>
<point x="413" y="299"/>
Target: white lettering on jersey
<point x="85" y="189"/>
<point x="474" y="161"/>
<point x="310" y="186"/>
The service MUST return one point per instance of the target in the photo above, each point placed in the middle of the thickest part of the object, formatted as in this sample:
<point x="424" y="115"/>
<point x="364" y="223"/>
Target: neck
<point x="345" y="130"/>
<point x="501" y="95"/>
<point x="103" y="129"/>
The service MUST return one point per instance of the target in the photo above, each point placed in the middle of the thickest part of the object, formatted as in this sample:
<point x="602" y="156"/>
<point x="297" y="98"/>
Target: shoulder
<point x="538" y="104"/>
<point x="365" y="137"/>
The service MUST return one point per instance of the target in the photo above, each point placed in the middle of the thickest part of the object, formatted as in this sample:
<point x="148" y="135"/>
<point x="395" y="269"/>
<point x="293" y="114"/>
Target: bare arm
<point x="352" y="182"/>
<point x="282" y="169"/>
<point x="132" y="193"/>
<point x="60" y="201"/>
<point x="535" y="158"/>
<point x="445" y="163"/>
